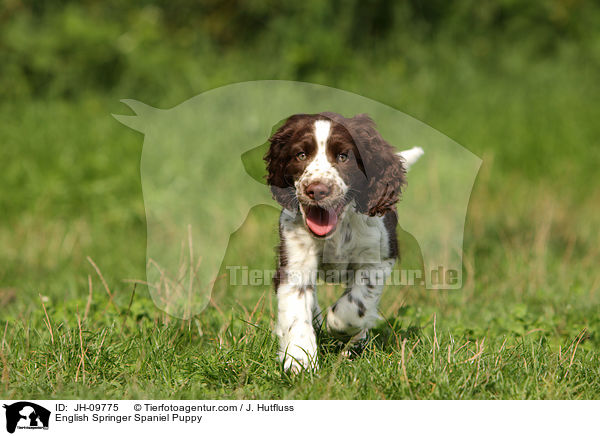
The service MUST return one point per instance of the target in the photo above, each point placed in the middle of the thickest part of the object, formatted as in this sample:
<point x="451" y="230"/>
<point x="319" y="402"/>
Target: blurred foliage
<point x="65" y="48"/>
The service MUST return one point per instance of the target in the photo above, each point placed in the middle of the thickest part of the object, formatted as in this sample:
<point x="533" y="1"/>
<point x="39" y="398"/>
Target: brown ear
<point x="383" y="168"/>
<point x="281" y="184"/>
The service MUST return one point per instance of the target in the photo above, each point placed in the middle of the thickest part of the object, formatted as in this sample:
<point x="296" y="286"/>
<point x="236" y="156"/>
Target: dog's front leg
<point x="297" y="302"/>
<point x="297" y="339"/>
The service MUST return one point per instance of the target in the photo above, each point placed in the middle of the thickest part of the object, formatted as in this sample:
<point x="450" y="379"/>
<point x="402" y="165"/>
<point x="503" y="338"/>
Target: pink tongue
<point x="321" y="221"/>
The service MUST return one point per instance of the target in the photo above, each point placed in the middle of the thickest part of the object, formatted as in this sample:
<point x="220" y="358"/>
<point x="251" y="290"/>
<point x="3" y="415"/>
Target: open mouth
<point x="321" y="221"/>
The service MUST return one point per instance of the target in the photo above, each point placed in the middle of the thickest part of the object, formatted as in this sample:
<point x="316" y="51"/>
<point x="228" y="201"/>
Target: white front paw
<point x="299" y="361"/>
<point x="299" y="352"/>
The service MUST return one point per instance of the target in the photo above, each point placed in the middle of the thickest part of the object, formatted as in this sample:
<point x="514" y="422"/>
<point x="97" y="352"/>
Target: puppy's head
<point x="322" y="163"/>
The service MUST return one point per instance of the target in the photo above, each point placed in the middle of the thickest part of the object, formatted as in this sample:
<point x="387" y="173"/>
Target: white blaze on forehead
<point x="320" y="169"/>
<point x="322" y="128"/>
<point x="320" y="162"/>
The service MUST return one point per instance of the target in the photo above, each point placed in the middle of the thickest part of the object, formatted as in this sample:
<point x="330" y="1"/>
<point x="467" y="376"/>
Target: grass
<point x="525" y="325"/>
<point x="233" y="357"/>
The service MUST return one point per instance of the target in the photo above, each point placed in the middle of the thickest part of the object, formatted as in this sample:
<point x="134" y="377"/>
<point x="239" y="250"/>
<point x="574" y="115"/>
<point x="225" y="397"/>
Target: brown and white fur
<point x="338" y="182"/>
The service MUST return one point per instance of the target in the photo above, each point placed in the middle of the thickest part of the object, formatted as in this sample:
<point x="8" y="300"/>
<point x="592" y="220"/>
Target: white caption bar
<point x="80" y="417"/>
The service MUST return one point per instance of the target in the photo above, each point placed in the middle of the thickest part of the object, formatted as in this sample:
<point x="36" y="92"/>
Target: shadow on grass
<point x="388" y="336"/>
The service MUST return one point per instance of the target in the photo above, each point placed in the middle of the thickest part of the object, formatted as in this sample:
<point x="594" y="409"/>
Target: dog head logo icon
<point x="26" y="415"/>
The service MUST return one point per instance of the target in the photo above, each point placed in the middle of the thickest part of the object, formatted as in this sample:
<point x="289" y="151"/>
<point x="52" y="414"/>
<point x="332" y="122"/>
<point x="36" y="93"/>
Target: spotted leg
<point x="355" y="311"/>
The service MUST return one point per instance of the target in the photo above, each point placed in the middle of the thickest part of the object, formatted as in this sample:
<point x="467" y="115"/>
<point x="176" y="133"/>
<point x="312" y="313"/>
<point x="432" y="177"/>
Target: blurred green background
<point x="515" y="82"/>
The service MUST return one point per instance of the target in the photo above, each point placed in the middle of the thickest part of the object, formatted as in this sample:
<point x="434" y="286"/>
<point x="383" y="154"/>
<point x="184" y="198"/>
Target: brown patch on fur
<point x="294" y="136"/>
<point x="390" y="221"/>
<point x="280" y="274"/>
<point x="383" y="172"/>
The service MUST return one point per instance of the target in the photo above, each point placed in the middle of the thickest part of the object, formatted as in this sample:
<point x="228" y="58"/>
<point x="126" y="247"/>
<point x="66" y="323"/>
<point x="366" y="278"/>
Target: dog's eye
<point x="342" y="157"/>
<point x="301" y="156"/>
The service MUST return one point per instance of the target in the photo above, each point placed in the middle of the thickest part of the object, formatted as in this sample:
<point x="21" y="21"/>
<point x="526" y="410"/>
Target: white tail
<point x="410" y="156"/>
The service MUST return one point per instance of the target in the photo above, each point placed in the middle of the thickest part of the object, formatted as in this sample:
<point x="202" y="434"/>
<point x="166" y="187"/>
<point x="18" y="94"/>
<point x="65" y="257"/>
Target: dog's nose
<point x="318" y="191"/>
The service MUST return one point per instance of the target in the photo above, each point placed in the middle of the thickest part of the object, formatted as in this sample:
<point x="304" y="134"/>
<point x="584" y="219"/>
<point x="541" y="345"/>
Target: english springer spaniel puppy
<point x="338" y="182"/>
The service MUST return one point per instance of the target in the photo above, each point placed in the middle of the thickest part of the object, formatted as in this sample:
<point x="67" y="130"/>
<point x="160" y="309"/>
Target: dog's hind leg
<point x="356" y="310"/>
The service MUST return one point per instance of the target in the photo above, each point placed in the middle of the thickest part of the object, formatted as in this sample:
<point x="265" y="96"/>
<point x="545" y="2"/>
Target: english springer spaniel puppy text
<point x="338" y="182"/>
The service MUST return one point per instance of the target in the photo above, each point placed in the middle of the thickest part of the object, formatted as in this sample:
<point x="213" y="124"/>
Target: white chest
<point x="359" y="239"/>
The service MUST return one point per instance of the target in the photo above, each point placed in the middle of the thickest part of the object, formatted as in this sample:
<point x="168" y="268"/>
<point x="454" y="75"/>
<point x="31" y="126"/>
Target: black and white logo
<point x="26" y="415"/>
